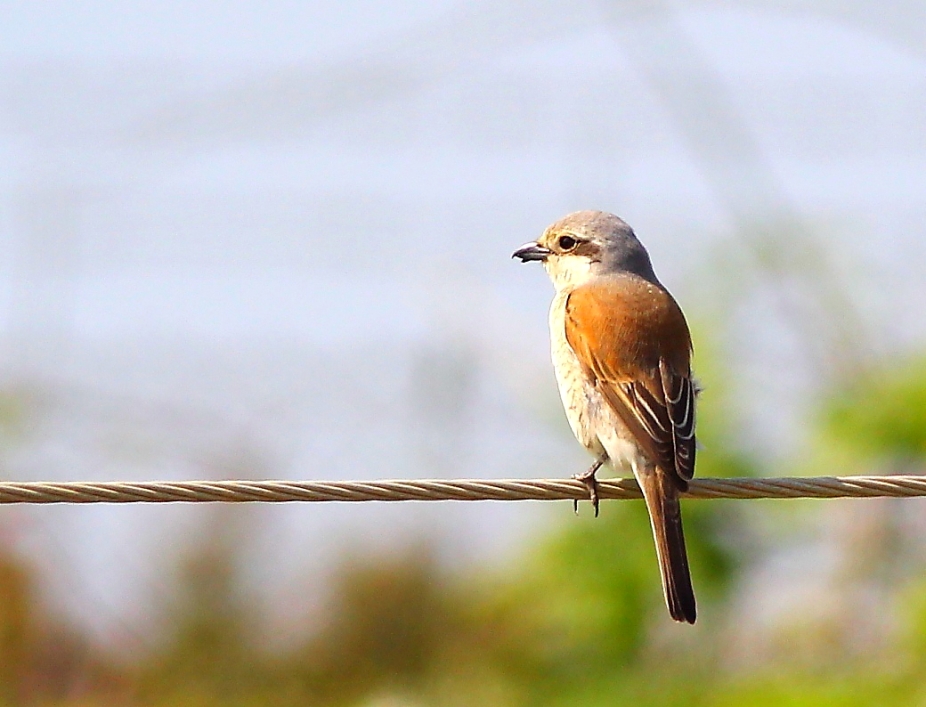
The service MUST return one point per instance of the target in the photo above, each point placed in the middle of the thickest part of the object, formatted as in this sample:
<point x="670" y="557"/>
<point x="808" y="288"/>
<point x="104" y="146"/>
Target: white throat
<point x="568" y="271"/>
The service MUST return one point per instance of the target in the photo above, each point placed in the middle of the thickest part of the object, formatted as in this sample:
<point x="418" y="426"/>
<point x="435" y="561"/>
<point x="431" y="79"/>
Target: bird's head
<point x="587" y="244"/>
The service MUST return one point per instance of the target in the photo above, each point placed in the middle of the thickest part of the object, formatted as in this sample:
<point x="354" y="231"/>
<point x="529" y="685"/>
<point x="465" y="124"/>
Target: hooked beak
<point x="530" y="252"/>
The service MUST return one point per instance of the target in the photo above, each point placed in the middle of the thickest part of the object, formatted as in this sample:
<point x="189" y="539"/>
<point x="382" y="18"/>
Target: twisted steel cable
<point x="38" y="492"/>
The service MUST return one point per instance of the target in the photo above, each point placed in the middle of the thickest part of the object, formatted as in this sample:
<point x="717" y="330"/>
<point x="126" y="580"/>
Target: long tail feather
<point x="661" y="495"/>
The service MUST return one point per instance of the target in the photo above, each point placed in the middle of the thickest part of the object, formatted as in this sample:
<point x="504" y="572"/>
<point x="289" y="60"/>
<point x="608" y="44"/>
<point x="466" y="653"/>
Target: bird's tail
<point x="661" y="495"/>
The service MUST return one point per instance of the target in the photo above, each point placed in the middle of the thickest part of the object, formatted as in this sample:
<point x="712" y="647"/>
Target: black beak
<point x="530" y="252"/>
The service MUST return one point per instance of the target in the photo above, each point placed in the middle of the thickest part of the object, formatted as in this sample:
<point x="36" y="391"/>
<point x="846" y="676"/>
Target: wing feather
<point x="632" y="340"/>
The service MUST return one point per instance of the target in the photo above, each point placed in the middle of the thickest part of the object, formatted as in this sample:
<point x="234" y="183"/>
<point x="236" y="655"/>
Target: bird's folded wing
<point x="631" y="338"/>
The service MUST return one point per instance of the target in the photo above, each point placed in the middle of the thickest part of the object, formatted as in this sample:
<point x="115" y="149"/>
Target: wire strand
<point x="36" y="492"/>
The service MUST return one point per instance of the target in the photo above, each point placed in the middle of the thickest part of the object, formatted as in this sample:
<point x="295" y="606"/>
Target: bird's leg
<point x="591" y="483"/>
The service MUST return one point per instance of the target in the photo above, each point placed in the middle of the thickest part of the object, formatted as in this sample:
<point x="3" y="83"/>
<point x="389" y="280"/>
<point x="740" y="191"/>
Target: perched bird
<point x="622" y="356"/>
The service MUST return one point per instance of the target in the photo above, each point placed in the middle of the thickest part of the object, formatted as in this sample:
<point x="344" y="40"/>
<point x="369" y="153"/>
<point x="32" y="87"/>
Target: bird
<point x="622" y="357"/>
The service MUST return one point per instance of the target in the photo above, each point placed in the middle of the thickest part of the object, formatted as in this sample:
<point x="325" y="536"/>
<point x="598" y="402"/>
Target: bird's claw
<point x="591" y="483"/>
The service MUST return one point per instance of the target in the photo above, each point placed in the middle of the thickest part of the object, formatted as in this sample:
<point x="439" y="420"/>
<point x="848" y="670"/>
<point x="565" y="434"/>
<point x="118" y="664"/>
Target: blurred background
<point x="272" y="240"/>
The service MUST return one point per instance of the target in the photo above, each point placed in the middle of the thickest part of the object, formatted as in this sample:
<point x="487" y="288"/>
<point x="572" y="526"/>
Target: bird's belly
<point x="582" y="404"/>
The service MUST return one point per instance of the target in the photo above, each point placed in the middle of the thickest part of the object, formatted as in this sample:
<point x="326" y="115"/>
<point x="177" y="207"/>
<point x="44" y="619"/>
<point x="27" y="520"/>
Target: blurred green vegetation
<point x="576" y="620"/>
<point x="882" y="413"/>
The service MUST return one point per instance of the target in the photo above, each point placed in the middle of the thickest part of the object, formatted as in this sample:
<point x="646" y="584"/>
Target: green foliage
<point x="883" y="413"/>
<point x="391" y="626"/>
<point x="209" y="657"/>
<point x="592" y="592"/>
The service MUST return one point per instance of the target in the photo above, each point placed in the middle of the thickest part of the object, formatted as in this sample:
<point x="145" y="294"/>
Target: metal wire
<point x="444" y="490"/>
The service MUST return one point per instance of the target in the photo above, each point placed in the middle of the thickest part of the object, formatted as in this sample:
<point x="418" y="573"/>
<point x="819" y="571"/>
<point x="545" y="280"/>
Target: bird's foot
<point x="591" y="483"/>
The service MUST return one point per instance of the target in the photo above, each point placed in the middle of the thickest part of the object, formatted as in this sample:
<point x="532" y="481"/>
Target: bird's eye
<point x="567" y="242"/>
